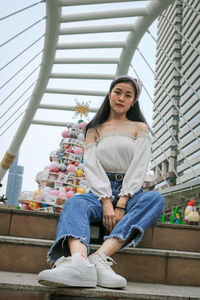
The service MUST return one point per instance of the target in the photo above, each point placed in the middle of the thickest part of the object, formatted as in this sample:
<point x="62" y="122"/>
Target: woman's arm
<point x="91" y="136"/>
<point x="122" y="201"/>
<point x="109" y="218"/>
<point x="137" y="170"/>
<point x="96" y="176"/>
<point x="98" y="181"/>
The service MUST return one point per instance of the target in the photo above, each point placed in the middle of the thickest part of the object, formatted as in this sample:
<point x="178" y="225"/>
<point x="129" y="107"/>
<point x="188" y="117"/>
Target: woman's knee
<point x="156" y="199"/>
<point x="73" y="202"/>
<point x="83" y="205"/>
<point x="80" y="203"/>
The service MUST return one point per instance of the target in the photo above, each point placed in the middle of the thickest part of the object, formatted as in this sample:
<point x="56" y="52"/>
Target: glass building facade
<point x="176" y="117"/>
<point x="14" y="183"/>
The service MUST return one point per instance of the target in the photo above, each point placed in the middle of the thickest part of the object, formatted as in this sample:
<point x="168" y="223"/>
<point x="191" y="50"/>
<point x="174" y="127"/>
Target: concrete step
<point x="41" y="225"/>
<point x="25" y="286"/>
<point x="28" y="255"/>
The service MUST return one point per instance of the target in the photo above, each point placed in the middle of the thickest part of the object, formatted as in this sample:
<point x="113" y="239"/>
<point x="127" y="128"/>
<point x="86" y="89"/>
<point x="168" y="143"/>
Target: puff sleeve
<point x="96" y="177"/>
<point x="135" y="174"/>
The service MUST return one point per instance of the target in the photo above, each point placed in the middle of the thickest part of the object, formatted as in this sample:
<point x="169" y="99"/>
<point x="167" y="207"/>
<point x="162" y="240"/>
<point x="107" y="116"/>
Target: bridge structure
<point x="84" y="44"/>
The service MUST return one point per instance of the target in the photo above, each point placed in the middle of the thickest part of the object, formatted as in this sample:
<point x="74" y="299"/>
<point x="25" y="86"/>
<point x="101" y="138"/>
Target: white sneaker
<point x="106" y="277"/>
<point x="74" y="270"/>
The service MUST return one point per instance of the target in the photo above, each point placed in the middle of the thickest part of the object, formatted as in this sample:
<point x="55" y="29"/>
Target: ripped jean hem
<point x="136" y="240"/>
<point x="57" y="251"/>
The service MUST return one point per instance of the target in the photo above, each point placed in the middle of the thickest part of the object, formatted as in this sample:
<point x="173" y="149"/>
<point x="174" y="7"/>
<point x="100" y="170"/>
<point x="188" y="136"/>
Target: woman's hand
<point x="119" y="214"/>
<point x="109" y="218"/>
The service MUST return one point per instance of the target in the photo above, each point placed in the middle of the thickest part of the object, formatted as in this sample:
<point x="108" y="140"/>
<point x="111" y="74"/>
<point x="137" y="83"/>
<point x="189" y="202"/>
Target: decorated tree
<point x="64" y="176"/>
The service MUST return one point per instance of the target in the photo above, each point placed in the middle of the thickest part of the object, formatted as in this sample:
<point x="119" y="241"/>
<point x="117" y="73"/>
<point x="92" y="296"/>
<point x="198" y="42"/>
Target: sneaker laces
<point x="61" y="260"/>
<point x="107" y="262"/>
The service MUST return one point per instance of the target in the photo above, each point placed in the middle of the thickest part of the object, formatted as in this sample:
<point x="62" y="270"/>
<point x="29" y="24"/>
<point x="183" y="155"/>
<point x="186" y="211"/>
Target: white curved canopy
<point x="57" y="27"/>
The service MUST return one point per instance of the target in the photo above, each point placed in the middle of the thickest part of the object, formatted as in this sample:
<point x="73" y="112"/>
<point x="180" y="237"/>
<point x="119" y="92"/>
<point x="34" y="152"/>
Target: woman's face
<point x="121" y="97"/>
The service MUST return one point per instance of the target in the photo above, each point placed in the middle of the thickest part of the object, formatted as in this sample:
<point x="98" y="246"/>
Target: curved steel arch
<point x="53" y="20"/>
<point x="141" y="25"/>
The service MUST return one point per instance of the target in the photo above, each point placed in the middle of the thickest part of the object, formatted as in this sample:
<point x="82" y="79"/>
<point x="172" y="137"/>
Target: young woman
<point x="116" y="159"/>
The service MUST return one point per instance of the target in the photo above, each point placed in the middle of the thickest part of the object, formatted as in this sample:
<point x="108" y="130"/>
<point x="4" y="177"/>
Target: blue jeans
<point x="143" y="210"/>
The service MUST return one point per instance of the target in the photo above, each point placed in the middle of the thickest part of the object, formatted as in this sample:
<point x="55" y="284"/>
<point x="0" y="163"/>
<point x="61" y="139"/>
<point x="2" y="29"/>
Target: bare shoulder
<point x="91" y="136"/>
<point x="142" y="128"/>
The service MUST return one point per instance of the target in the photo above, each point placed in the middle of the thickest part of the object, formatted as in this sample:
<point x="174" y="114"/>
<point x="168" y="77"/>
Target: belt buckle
<point x="119" y="177"/>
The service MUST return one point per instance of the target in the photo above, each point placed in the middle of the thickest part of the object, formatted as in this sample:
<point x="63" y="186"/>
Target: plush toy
<point x="71" y="168"/>
<point x="65" y="134"/>
<point x="39" y="198"/>
<point x="62" y="195"/>
<point x="191" y="215"/>
<point x="79" y="173"/>
<point x="83" y="125"/>
<point x="33" y="205"/>
<point x="80" y="136"/>
<point x="69" y="194"/>
<point x="81" y="190"/>
<point x="54" y="169"/>
<point x="25" y="206"/>
<point x="75" y="125"/>
<point x="193" y="218"/>
<point x="81" y="166"/>
<point x="54" y="192"/>
<point x="78" y="150"/>
<point x="69" y="150"/>
<point x="62" y="167"/>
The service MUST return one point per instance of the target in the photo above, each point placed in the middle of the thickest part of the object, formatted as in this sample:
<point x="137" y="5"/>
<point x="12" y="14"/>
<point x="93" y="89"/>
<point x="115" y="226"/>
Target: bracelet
<point x="120" y="207"/>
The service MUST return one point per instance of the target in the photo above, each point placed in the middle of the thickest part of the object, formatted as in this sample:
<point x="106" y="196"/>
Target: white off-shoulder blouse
<point x="117" y="153"/>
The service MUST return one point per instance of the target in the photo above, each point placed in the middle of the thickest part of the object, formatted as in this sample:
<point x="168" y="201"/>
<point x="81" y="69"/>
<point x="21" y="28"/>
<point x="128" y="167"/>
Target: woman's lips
<point x="120" y="105"/>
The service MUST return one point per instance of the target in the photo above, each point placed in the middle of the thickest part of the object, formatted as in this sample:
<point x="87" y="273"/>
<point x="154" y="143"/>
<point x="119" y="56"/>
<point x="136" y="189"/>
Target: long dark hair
<point x="133" y="114"/>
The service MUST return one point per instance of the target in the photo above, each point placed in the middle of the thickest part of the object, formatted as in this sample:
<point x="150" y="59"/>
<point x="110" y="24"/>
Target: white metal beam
<point x="122" y="13"/>
<point x="82" y="60"/>
<point x="63" y="107"/>
<point x="86" y="2"/>
<point x="49" y="123"/>
<point x="83" y="76"/>
<point x="76" y="92"/>
<point x="90" y="45"/>
<point x="96" y="29"/>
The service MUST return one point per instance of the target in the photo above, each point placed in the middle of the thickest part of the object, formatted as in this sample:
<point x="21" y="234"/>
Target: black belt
<point x="116" y="176"/>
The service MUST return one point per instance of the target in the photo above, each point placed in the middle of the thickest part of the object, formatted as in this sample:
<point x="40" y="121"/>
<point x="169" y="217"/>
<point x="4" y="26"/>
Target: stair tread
<point x="25" y="240"/>
<point x="28" y="282"/>
<point x="129" y="250"/>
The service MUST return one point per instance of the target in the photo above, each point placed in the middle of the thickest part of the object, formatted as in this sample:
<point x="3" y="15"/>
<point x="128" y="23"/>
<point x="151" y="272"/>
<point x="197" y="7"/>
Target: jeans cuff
<point x="60" y="248"/>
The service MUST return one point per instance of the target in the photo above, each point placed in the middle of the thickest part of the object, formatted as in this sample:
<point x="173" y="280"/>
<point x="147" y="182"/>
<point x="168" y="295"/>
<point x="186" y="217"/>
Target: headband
<point x="136" y="82"/>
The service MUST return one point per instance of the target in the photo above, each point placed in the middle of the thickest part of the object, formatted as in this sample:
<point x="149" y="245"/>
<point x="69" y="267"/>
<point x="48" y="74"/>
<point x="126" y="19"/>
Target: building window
<point x="180" y="162"/>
